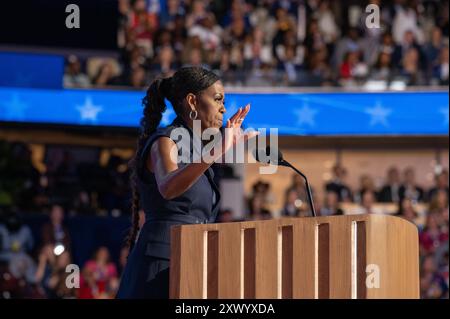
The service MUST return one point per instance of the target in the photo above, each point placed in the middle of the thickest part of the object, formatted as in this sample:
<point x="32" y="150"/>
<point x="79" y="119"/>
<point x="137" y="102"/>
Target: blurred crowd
<point x="276" y="43"/>
<point x="45" y="269"/>
<point x="35" y="267"/>
<point x="82" y="187"/>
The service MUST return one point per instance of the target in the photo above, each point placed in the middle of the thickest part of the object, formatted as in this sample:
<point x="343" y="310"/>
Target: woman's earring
<point x="193" y="115"/>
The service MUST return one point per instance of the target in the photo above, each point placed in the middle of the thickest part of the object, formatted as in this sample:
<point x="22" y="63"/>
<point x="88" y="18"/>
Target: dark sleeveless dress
<point x="146" y="274"/>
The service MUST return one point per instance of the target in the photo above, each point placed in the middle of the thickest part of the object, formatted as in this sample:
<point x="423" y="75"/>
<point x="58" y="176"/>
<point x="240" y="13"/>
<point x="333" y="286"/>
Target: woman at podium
<point x="174" y="186"/>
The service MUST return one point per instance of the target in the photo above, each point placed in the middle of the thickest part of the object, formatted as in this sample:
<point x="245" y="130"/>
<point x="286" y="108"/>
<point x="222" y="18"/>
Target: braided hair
<point x="186" y="80"/>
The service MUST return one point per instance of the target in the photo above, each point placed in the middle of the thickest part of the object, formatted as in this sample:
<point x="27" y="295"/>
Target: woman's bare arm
<point x="172" y="181"/>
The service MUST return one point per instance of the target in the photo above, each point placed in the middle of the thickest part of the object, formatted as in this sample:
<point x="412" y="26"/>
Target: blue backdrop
<point x="402" y="113"/>
<point x="31" y="70"/>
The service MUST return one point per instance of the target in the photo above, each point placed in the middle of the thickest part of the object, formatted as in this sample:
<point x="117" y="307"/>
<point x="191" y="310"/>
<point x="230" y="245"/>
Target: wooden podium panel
<point x="343" y="257"/>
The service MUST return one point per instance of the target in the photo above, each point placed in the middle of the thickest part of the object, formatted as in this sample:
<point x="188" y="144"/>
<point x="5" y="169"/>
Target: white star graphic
<point x="167" y="117"/>
<point x="378" y="114"/>
<point x="444" y="111"/>
<point x="14" y="108"/>
<point x="306" y="115"/>
<point x="89" y="111"/>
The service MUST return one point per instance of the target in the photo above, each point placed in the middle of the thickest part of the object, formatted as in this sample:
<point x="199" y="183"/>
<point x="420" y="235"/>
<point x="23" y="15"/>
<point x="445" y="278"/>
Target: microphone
<point x="275" y="157"/>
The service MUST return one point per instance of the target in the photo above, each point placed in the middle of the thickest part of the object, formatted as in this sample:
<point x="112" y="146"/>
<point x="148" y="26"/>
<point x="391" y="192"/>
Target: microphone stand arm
<point x="308" y="188"/>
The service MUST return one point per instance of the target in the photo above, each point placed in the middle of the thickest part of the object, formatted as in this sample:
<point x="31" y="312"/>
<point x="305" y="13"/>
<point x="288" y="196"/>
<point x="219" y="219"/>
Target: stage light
<point x="59" y="249"/>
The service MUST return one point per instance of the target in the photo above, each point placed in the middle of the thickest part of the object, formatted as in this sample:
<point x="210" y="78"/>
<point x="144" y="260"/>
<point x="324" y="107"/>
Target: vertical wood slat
<point x="212" y="279"/>
<point x="190" y="253"/>
<point x="287" y="267"/>
<point x="303" y="285"/>
<point x="323" y="261"/>
<point x="175" y="268"/>
<point x="266" y="260"/>
<point x="361" y="256"/>
<point x="249" y="264"/>
<point x="340" y="259"/>
<point x="229" y="261"/>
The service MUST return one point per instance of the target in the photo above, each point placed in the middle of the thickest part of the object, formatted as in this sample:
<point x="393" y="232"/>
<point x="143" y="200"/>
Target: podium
<point x="343" y="257"/>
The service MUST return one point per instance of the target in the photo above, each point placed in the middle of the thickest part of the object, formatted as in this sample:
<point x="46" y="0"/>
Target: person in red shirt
<point x="99" y="277"/>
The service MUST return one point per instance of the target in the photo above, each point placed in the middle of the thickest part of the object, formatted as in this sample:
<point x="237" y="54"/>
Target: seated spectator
<point x="73" y="77"/>
<point x="409" y="42"/>
<point x="337" y="185"/>
<point x="390" y="191"/>
<point x="23" y="267"/>
<point x="331" y="205"/>
<point x="289" y="66"/>
<point x="367" y="204"/>
<point x="410" y="68"/>
<point x="168" y="15"/>
<point x="443" y="271"/>
<point x="197" y="13"/>
<point x="46" y="264"/>
<point x="407" y="211"/>
<point x="367" y="201"/>
<point x="409" y="188"/>
<point x="382" y="71"/>
<point x="406" y="21"/>
<point x="99" y="279"/>
<point x="298" y="184"/>
<point x="261" y="188"/>
<point x="142" y="25"/>
<point x="350" y="60"/>
<point x="15" y="237"/>
<point x="433" y="48"/>
<point x="432" y="283"/>
<point x="257" y="211"/>
<point x="51" y="273"/>
<point x="366" y="185"/>
<point x="17" y="279"/>
<point x="165" y="62"/>
<point x="319" y="71"/>
<point x="351" y="42"/>
<point x="441" y="183"/>
<point x="57" y="282"/>
<point x="292" y="204"/>
<point x="105" y="75"/>
<point x="353" y="68"/>
<point x="138" y="78"/>
<point x="441" y="70"/>
<point x="208" y="32"/>
<point x="54" y="232"/>
<point x="225" y="216"/>
<point x="433" y="234"/>
<point x="327" y="22"/>
<point x="439" y="203"/>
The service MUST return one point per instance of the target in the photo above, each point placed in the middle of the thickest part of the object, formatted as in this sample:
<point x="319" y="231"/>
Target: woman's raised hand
<point x="233" y="131"/>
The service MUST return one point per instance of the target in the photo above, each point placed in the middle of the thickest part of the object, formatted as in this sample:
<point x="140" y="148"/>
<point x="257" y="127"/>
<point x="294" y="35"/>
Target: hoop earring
<point x="193" y="115"/>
